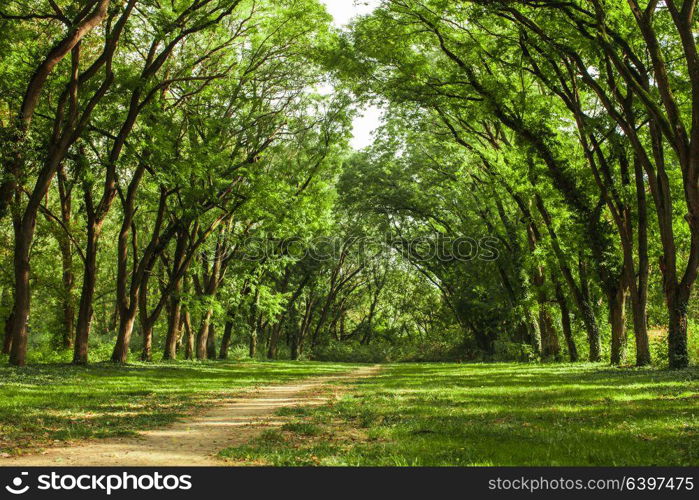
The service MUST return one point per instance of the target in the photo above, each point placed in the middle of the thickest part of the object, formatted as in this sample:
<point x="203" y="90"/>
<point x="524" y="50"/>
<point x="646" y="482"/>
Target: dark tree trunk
<point x="66" y="248"/>
<point x="588" y="314"/>
<point x="639" y="289"/>
<point x="189" y="336"/>
<point x="677" y="304"/>
<point x="173" y="326"/>
<point x="274" y="338"/>
<point x="120" y="354"/>
<point x="226" y="340"/>
<point x="617" y="320"/>
<point x="24" y="232"/>
<point x="211" y="342"/>
<point x="147" y="352"/>
<point x="565" y="323"/>
<point x="203" y="334"/>
<point x="7" y="340"/>
<point x="82" y="331"/>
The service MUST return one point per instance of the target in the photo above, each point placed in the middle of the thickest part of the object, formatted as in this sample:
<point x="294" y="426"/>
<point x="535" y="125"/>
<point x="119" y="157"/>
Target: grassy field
<point x="495" y="414"/>
<point x="46" y="403"/>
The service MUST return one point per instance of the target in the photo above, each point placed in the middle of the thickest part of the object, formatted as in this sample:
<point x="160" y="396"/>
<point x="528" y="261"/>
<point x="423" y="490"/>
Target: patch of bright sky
<point x="369" y="118"/>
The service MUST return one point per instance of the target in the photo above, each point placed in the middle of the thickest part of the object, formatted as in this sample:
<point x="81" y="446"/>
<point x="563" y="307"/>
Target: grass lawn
<point x="495" y="414"/>
<point x="43" y="403"/>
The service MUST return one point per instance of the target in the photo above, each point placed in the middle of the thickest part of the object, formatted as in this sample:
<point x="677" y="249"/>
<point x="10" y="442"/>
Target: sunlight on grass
<point x="499" y="414"/>
<point x="46" y="403"/>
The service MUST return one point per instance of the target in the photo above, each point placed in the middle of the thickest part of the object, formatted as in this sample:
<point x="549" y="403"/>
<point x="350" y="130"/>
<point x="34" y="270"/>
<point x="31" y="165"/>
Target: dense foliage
<point x="181" y="171"/>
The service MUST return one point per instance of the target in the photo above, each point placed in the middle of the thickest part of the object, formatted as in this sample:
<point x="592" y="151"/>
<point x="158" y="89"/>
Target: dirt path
<point x="196" y="440"/>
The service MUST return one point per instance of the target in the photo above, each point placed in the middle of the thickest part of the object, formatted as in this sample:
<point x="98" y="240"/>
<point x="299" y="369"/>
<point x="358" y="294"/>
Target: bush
<point x="385" y="352"/>
<point x="513" y="351"/>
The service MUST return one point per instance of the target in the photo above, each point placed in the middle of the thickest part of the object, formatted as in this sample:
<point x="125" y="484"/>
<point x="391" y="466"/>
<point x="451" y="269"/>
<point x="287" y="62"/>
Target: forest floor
<point x="47" y="412"/>
<point x="289" y="414"/>
<point x="494" y="415"/>
<point x="196" y="440"/>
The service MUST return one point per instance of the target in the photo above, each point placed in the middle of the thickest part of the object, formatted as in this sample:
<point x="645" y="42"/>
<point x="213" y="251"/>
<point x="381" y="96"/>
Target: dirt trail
<point x="196" y="439"/>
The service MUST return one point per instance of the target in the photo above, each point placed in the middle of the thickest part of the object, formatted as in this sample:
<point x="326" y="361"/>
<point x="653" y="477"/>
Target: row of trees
<point x="178" y="161"/>
<point x="579" y="128"/>
<point x="170" y="128"/>
<point x="184" y="166"/>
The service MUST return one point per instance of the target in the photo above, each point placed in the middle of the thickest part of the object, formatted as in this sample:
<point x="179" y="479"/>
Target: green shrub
<point x="513" y="351"/>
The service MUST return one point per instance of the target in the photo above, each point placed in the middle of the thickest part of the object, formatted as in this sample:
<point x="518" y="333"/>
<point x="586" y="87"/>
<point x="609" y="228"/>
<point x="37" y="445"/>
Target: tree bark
<point x="226" y="340"/>
<point x="203" y="334"/>
<point x="566" y="324"/>
<point x="211" y="342"/>
<point x="82" y="331"/>
<point x="7" y="340"/>
<point x="189" y="335"/>
<point x="677" y="303"/>
<point x="66" y="248"/>
<point x="617" y="320"/>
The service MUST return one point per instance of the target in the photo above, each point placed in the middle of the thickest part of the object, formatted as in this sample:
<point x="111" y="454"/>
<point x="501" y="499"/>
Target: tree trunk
<point x="565" y="323"/>
<point x="203" y="334"/>
<point x="7" y="341"/>
<point x="147" y="352"/>
<point x="226" y="340"/>
<point x="639" y="292"/>
<point x="274" y="339"/>
<point x="588" y="314"/>
<point x="66" y="248"/>
<point x="252" y="348"/>
<point x="550" y="347"/>
<point x="211" y="342"/>
<point x="677" y="304"/>
<point x="120" y="354"/>
<point x="173" y="326"/>
<point x="82" y="331"/>
<point x="189" y="332"/>
<point x="24" y="232"/>
<point x="617" y="320"/>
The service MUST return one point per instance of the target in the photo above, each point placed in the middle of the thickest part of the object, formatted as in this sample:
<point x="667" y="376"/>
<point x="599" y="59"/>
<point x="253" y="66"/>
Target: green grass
<point x="495" y="414"/>
<point x="46" y="403"/>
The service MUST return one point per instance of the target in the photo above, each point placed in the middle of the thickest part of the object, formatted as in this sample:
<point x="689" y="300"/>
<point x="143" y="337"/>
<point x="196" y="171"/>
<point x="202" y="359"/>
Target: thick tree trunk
<point x="173" y="326"/>
<point x="226" y="340"/>
<point x="677" y="304"/>
<point x="24" y="233"/>
<point x="550" y="346"/>
<point x="211" y="342"/>
<point x="639" y="289"/>
<point x="82" y="331"/>
<point x="274" y="339"/>
<point x="640" y="327"/>
<point x="617" y="320"/>
<point x="147" y="351"/>
<point x="120" y="354"/>
<point x="203" y="334"/>
<point x="189" y="333"/>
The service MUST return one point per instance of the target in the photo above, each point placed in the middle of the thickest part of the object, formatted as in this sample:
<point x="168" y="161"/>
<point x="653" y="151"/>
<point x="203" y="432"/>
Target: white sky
<point x="369" y="118"/>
